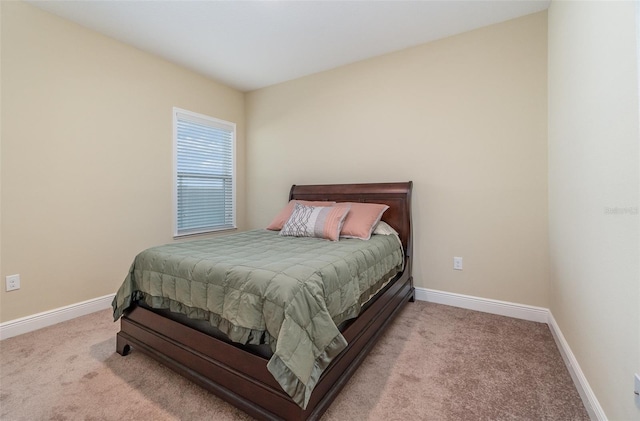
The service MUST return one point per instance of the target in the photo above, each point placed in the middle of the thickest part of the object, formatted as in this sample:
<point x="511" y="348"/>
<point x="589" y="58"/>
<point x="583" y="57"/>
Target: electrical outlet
<point x="457" y="263"/>
<point x="13" y="282"/>
<point x="636" y="389"/>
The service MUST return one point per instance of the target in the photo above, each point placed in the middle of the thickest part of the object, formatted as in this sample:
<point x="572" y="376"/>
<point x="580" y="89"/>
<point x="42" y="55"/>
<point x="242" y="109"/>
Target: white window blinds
<point x="204" y="173"/>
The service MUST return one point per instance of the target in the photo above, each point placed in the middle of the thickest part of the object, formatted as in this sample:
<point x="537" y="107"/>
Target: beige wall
<point x="465" y="118"/>
<point x="593" y="194"/>
<point x="87" y="156"/>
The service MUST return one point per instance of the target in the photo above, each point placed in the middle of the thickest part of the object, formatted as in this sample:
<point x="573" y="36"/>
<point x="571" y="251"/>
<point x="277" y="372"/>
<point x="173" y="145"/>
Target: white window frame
<point x="185" y="115"/>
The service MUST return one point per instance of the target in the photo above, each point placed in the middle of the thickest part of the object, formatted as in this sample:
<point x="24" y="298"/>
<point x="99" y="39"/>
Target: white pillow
<point x="384" y="229"/>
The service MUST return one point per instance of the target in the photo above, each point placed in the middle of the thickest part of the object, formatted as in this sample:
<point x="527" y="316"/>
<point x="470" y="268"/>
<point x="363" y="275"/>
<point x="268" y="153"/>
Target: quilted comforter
<point x="261" y="288"/>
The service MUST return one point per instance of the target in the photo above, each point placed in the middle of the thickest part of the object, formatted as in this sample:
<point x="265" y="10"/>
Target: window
<point x="204" y="173"/>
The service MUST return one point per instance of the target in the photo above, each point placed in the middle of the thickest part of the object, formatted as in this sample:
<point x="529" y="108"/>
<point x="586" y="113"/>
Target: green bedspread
<point x="259" y="287"/>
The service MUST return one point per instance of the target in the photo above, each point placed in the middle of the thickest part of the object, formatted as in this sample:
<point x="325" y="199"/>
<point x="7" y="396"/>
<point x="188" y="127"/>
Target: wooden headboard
<point x="396" y="195"/>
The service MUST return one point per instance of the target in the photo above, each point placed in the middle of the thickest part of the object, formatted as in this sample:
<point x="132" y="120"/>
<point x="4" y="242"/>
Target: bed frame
<point x="240" y="377"/>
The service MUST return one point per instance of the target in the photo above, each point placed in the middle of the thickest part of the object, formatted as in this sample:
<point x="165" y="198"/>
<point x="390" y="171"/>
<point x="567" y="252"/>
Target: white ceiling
<point x="253" y="44"/>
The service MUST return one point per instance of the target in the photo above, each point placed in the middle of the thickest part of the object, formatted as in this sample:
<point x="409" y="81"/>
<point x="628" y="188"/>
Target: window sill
<point x="204" y="233"/>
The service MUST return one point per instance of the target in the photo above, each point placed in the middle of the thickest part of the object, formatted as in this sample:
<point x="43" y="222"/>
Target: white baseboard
<point x="586" y="393"/>
<point x="38" y="321"/>
<point x="502" y="308"/>
<point x="530" y="313"/>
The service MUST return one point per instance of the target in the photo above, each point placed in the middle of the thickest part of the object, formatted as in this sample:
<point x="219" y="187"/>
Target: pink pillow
<point x="285" y="213"/>
<point x="315" y="221"/>
<point x="361" y="219"/>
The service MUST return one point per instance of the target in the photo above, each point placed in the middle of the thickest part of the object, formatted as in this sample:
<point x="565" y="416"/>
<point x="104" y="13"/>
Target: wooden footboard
<point x="242" y="378"/>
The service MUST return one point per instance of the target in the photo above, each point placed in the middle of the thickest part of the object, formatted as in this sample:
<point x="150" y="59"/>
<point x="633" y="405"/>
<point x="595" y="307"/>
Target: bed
<point x="240" y="374"/>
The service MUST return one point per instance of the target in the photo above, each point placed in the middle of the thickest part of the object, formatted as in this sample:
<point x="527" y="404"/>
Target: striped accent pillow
<point x="314" y="221"/>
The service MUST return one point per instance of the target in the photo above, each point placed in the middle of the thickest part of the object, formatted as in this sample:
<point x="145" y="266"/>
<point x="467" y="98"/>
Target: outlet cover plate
<point x="13" y="282"/>
<point x="457" y="263"/>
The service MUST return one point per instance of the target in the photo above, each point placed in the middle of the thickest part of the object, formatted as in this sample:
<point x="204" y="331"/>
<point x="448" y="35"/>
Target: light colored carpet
<point x="434" y="363"/>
